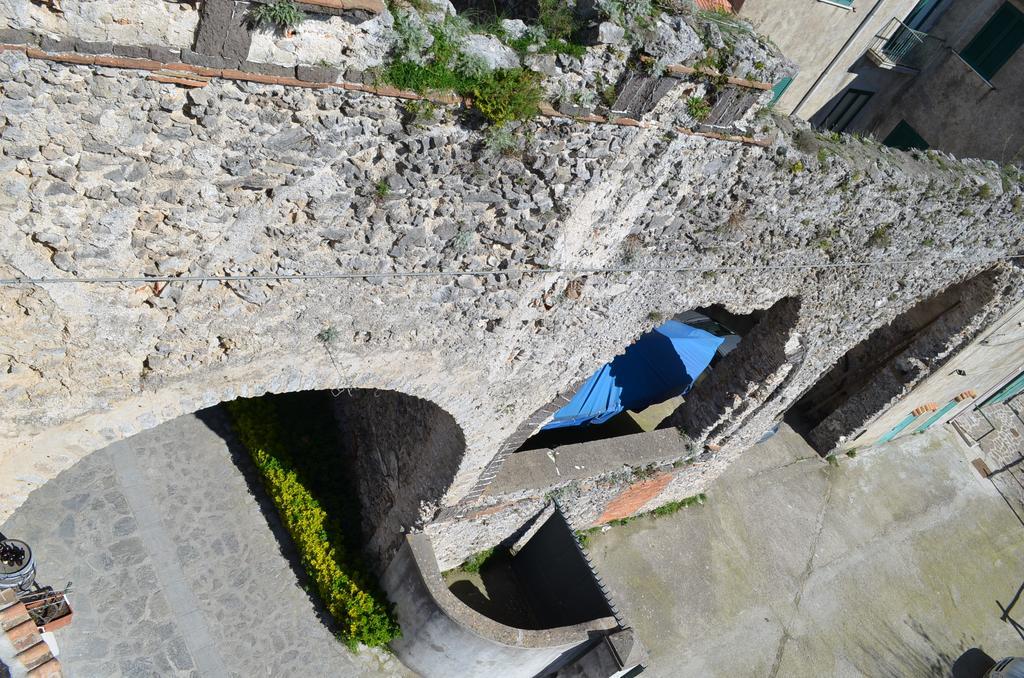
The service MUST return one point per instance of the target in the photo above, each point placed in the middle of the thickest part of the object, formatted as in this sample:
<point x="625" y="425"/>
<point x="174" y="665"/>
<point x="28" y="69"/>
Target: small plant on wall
<point x="698" y="108"/>
<point x="284" y="15"/>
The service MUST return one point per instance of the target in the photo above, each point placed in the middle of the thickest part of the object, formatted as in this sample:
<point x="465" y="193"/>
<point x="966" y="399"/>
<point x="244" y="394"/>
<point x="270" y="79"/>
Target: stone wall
<point x="903" y="353"/>
<point x="477" y="281"/>
<point x="442" y="636"/>
<point x="129" y="22"/>
<point x="405" y="452"/>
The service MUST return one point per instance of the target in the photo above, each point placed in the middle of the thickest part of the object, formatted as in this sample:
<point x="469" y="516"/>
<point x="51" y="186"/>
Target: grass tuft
<point x="698" y="108"/>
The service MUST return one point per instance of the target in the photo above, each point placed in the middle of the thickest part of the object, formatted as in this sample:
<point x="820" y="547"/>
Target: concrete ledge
<point x="534" y="469"/>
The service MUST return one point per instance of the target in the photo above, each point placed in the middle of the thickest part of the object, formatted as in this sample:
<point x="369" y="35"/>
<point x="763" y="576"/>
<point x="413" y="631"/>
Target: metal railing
<point x="900" y="46"/>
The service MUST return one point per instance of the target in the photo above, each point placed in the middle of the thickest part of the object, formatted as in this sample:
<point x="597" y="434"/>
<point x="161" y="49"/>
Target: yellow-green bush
<point x="344" y="585"/>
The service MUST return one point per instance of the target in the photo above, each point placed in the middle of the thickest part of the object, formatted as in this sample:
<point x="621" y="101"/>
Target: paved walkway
<point x="177" y="570"/>
<point x="891" y="564"/>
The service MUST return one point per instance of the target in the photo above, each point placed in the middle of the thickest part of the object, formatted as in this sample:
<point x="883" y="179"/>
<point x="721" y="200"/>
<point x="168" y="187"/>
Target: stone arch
<point x="876" y="372"/>
<point x="769" y="348"/>
<point x="30" y="461"/>
<point x="718" y="408"/>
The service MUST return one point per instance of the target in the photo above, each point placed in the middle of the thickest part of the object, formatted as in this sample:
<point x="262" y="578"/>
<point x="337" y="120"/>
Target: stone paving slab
<point x="177" y="567"/>
<point x="890" y="564"/>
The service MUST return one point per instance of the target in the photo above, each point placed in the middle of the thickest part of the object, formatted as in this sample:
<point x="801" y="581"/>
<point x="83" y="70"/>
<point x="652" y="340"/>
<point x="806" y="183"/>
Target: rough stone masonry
<point x="473" y="280"/>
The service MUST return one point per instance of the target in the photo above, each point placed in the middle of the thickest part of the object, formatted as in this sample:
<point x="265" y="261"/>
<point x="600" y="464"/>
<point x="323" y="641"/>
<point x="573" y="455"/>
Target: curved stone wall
<point x="485" y="283"/>
<point x="443" y="637"/>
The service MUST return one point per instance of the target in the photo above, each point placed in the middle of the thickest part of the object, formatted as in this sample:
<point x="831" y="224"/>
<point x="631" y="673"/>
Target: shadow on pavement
<point x="217" y="420"/>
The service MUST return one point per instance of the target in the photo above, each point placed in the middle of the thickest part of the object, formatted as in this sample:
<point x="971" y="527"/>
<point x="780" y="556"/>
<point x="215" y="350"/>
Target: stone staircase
<point x="22" y="648"/>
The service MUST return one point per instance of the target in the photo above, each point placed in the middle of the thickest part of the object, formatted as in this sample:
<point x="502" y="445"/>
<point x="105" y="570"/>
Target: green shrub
<point x="507" y="95"/>
<point x="289" y="449"/>
<point x="557" y="19"/>
<point x="501" y="95"/>
<point x="499" y="140"/>
<point x="674" y="506"/>
<point x="283" y="14"/>
<point x="698" y="108"/>
<point x="880" y="237"/>
<point x="633" y="15"/>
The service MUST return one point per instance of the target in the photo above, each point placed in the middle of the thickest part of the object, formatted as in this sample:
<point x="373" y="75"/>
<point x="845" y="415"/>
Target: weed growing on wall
<point x="294" y="448"/>
<point x="499" y="140"/>
<point x="508" y="95"/>
<point x="698" y="108"/>
<point x="477" y="561"/>
<point x="501" y="95"/>
<point x="284" y="15"/>
<point x="634" y="16"/>
<point x="880" y="237"/>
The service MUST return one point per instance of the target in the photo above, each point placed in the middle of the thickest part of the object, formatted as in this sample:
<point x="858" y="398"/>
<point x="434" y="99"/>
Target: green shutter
<point x="779" y="89"/>
<point x="905" y="137"/>
<point x="897" y="429"/>
<point x="996" y="42"/>
<point x="920" y="14"/>
<point x="1010" y="390"/>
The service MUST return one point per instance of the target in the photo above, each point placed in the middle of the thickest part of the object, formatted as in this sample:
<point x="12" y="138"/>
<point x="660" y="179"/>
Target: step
<point x="12" y="616"/>
<point x="50" y="669"/>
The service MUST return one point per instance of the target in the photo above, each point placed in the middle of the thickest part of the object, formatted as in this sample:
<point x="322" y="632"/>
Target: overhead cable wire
<point x="355" y="275"/>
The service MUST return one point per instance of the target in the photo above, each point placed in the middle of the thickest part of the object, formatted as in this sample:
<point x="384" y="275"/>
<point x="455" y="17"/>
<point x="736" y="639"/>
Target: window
<point x="779" y="89"/>
<point x="846" y="109"/>
<point x="996" y="42"/>
<point x="840" y="3"/>
<point x="905" y="137"/>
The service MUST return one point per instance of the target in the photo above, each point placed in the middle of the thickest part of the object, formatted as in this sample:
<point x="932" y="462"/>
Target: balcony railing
<point x="899" y="46"/>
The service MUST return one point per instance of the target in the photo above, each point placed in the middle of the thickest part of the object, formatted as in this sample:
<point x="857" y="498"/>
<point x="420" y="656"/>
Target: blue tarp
<point x="660" y="365"/>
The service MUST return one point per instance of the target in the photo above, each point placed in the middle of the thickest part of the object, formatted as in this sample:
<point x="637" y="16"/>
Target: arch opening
<point x="641" y="388"/>
<point x="537" y="580"/>
<point x="889" y="362"/>
<point x="719" y="407"/>
<point x="188" y="499"/>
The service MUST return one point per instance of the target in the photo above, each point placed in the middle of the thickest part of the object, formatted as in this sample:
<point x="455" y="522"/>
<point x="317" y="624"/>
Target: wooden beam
<point x="679" y="69"/>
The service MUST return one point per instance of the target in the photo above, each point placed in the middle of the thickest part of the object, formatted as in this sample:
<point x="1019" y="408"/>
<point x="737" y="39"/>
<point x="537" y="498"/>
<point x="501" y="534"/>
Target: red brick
<point x="12" y="616"/>
<point x="175" y="80"/>
<point x="198" y="70"/>
<point x="24" y="635"/>
<point x="634" y="497"/>
<point x="68" y="57"/>
<point x="626" y="122"/>
<point x="490" y="510"/>
<point x="127" y="62"/>
<point x="375" y="6"/>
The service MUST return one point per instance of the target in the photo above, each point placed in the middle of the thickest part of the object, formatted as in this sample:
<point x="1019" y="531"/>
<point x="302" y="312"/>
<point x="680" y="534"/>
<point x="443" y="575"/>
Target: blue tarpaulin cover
<point x="660" y="365"/>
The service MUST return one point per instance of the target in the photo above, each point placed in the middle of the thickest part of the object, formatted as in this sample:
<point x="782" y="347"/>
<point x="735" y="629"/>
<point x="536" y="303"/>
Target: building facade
<point x="889" y="68"/>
